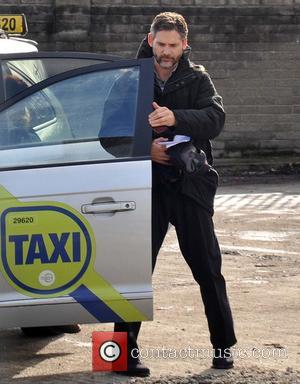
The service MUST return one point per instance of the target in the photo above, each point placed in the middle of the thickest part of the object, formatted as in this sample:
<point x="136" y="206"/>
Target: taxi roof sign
<point x="14" y="24"/>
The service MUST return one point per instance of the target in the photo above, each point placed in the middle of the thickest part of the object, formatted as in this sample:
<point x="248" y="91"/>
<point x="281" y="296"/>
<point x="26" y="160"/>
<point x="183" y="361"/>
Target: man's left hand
<point x="161" y="116"/>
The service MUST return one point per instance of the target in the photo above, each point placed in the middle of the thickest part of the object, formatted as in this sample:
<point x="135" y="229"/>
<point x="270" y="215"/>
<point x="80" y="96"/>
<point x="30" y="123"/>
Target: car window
<point x="88" y="116"/>
<point x="32" y="71"/>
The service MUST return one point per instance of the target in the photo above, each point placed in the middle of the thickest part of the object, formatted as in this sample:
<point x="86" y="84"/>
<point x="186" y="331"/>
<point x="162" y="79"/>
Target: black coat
<point x="199" y="113"/>
<point x="192" y="97"/>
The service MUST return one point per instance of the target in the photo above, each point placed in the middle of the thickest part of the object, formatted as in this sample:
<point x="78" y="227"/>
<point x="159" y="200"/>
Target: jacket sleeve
<point x="207" y="117"/>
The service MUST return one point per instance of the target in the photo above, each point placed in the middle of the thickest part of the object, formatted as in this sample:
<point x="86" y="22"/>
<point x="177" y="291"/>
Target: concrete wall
<point x="250" y="47"/>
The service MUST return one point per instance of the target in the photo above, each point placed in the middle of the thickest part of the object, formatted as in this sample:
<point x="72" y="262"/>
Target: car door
<point x="75" y="197"/>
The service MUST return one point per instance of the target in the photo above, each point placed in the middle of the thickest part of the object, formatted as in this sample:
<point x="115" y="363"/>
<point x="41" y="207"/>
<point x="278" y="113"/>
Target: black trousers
<point x="199" y="246"/>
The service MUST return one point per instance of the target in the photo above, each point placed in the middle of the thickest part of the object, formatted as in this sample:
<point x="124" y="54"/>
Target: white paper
<point x="177" y="139"/>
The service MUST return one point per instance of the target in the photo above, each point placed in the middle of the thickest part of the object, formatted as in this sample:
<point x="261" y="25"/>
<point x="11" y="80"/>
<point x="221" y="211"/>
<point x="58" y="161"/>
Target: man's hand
<point x="158" y="151"/>
<point x="161" y="116"/>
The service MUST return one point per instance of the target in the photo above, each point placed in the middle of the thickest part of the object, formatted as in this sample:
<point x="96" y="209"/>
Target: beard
<point x="166" y="62"/>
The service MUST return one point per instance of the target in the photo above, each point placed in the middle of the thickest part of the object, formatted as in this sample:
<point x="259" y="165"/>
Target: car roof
<point x="16" y="45"/>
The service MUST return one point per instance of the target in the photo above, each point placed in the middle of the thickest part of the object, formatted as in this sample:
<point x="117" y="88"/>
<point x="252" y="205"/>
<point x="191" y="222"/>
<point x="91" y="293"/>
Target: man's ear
<point x="184" y="44"/>
<point x="150" y="39"/>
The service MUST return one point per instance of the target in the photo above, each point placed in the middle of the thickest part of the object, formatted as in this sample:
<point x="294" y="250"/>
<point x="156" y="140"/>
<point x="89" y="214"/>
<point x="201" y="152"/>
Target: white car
<point x="75" y="187"/>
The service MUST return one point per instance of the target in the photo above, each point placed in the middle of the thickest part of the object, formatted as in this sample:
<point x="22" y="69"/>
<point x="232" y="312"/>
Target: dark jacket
<point x="199" y="113"/>
<point x="192" y="97"/>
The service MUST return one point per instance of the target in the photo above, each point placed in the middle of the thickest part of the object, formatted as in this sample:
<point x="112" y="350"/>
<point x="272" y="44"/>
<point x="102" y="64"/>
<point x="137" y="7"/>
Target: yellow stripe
<point x="112" y="298"/>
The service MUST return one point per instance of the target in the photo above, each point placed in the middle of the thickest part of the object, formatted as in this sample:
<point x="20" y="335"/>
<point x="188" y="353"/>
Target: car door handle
<point x="108" y="207"/>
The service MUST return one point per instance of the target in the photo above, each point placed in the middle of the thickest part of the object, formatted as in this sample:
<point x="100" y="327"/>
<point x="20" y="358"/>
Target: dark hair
<point x="169" y="21"/>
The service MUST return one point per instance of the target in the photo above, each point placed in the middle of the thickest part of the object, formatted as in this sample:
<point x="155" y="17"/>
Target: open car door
<point x="75" y="195"/>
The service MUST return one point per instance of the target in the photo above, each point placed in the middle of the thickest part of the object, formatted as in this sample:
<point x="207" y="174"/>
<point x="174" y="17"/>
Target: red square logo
<point x="109" y="351"/>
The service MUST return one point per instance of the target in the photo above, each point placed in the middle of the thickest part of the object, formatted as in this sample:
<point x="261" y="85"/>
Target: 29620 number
<point x="23" y="220"/>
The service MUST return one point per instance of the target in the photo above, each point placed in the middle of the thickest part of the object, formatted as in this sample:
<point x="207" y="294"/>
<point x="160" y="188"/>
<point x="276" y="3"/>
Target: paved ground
<point x="258" y="226"/>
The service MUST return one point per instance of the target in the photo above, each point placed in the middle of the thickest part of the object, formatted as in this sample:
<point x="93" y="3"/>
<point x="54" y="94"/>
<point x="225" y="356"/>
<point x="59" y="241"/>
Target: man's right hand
<point x="158" y="151"/>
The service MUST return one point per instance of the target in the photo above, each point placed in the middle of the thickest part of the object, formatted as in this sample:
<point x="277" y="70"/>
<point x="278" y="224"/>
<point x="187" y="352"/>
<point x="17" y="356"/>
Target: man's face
<point x="168" y="47"/>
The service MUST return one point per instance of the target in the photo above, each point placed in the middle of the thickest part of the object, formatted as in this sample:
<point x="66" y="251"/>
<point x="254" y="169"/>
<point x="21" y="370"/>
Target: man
<point x="185" y="103"/>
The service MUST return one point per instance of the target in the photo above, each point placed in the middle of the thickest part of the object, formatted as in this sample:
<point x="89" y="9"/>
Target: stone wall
<point x="250" y="48"/>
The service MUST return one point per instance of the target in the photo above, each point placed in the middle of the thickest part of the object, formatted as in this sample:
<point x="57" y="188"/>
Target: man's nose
<point x="166" y="51"/>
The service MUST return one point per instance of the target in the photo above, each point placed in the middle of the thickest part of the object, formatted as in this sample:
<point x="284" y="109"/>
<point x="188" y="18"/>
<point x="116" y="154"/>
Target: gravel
<point x="253" y="375"/>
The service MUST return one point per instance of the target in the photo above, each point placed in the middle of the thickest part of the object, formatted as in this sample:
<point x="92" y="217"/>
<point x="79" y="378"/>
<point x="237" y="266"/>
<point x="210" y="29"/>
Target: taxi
<point x="75" y="185"/>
